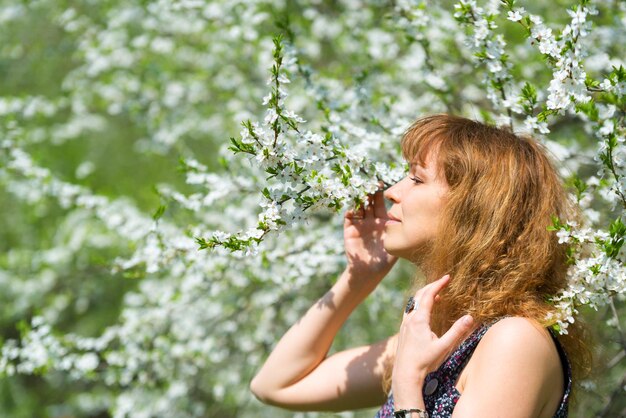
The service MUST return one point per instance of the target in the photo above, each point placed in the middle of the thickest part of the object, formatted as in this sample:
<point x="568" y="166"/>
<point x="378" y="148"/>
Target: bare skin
<point x="298" y="375"/>
<point x="516" y="363"/>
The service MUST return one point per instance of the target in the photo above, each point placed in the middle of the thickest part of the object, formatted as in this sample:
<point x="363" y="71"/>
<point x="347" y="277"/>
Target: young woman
<point x="472" y="214"/>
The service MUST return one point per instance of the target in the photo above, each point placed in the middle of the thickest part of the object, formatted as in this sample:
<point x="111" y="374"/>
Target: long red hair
<point x="493" y="236"/>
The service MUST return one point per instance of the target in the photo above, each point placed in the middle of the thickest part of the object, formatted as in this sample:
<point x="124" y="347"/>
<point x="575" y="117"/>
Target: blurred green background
<point x="111" y="158"/>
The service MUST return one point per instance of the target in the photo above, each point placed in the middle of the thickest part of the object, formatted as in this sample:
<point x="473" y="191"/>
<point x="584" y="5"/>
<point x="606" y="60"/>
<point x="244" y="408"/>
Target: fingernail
<point x="467" y="320"/>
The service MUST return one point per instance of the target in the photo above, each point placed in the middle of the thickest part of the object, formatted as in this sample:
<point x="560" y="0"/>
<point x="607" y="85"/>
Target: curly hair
<point x="493" y="236"/>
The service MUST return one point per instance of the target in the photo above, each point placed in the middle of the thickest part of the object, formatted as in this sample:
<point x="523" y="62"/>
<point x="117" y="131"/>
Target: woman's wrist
<point x="360" y="282"/>
<point x="407" y="391"/>
<point x="407" y="394"/>
<point x="408" y="398"/>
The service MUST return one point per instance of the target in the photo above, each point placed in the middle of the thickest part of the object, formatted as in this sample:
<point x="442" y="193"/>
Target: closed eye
<point x="416" y="180"/>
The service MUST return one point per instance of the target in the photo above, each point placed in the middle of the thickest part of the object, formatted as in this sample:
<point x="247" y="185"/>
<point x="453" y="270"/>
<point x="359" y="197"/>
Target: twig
<point x="614" y="396"/>
<point x="615" y="360"/>
<point x="622" y="337"/>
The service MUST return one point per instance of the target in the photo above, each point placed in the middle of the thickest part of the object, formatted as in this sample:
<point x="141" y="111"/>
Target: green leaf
<point x="182" y="165"/>
<point x="529" y="92"/>
<point x="617" y="228"/>
<point x="620" y="73"/>
<point x="579" y="185"/>
<point x="278" y="47"/>
<point x="589" y="108"/>
<point x="23" y="327"/>
<point x="590" y="82"/>
<point x="545" y="114"/>
<point x="159" y="212"/>
<point x="509" y="3"/>
<point x="204" y="244"/>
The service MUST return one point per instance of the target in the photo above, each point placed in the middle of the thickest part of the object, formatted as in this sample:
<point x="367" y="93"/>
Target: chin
<point x="415" y="254"/>
<point x="390" y="249"/>
<point x="406" y="253"/>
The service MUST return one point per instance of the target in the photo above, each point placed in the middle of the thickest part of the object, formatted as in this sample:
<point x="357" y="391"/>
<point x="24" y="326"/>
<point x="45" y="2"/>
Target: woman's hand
<point x="363" y="240"/>
<point x="419" y="350"/>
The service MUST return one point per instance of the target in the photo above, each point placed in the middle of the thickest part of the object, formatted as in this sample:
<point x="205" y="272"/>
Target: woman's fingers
<point x="355" y="214"/>
<point x="369" y="209"/>
<point x="430" y="292"/>
<point x="457" y="332"/>
<point x="379" y="205"/>
<point x="416" y="332"/>
<point x="373" y="207"/>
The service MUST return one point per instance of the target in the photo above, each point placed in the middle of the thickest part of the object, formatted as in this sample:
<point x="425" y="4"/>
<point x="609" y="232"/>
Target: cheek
<point x="424" y="206"/>
<point x="424" y="216"/>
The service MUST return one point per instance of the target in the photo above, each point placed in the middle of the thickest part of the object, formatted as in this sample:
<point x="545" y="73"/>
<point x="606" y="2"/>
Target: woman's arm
<point x="298" y="375"/>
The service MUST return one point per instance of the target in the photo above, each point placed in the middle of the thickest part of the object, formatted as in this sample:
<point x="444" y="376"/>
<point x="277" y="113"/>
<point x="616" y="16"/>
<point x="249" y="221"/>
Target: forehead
<point x="425" y="162"/>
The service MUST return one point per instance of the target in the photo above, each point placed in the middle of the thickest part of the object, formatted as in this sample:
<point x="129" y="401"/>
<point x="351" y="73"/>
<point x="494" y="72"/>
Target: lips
<point x="392" y="218"/>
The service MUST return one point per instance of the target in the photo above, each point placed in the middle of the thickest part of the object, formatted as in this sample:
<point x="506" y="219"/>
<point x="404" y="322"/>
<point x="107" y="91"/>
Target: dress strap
<point x="567" y="376"/>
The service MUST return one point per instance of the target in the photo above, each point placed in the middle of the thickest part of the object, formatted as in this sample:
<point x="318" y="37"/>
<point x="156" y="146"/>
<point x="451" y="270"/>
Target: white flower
<point x="292" y="115"/>
<point x="564" y="236"/>
<point x="608" y="127"/>
<point x="87" y="362"/>
<point x="481" y="31"/>
<point x="221" y="236"/>
<point x="578" y="16"/>
<point x="605" y="85"/>
<point x="270" y="116"/>
<point x="282" y="79"/>
<point x="516" y="15"/>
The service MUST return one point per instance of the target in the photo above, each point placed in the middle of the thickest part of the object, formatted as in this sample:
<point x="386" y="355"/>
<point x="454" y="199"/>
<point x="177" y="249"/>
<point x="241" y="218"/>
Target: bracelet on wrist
<point x="408" y="413"/>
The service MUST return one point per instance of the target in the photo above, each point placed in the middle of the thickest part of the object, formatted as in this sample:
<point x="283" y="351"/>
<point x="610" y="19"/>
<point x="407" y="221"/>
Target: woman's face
<point x="418" y="200"/>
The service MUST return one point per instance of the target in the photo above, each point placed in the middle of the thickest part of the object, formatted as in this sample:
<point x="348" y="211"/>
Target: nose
<point x="393" y="193"/>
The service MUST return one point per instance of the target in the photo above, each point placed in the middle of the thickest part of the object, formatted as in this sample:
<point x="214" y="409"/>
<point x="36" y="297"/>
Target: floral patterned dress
<point x="440" y="393"/>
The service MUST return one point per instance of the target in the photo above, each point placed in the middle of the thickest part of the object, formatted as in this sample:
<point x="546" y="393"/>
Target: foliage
<point x="135" y="133"/>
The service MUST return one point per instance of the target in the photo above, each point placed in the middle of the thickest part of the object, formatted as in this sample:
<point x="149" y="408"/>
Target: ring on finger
<point x="411" y="305"/>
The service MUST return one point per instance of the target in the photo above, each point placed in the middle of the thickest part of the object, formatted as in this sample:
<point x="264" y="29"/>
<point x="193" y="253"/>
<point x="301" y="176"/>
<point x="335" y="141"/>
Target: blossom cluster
<point x="595" y="278"/>
<point x="308" y="170"/>
<point x="267" y="168"/>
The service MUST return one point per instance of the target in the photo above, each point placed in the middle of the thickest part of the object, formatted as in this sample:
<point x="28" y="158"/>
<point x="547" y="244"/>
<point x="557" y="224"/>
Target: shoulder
<point x="520" y="344"/>
<point x="513" y="336"/>
<point x="516" y="362"/>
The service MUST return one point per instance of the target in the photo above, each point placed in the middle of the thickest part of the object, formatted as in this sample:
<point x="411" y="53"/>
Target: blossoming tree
<point x="173" y="173"/>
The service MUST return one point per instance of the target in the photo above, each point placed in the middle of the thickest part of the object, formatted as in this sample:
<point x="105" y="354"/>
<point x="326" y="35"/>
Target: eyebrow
<point x="416" y="165"/>
<point x="424" y="173"/>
